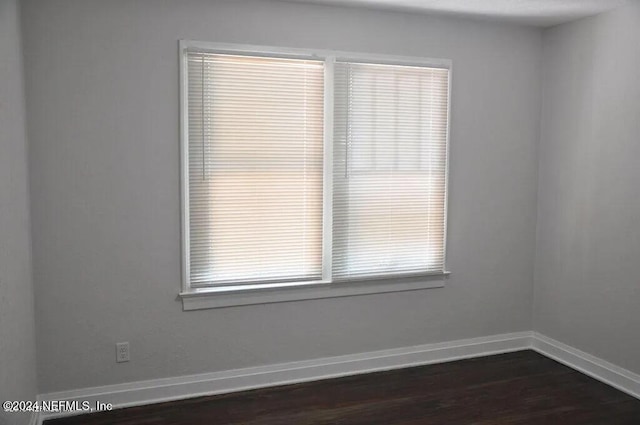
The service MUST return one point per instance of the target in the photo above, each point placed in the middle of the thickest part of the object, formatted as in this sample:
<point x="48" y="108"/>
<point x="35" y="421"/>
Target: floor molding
<point x="608" y="373"/>
<point x="167" y="389"/>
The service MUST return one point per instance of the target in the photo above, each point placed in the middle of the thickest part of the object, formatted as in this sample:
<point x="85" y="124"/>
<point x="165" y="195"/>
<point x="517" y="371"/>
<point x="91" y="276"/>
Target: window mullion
<point x="327" y="203"/>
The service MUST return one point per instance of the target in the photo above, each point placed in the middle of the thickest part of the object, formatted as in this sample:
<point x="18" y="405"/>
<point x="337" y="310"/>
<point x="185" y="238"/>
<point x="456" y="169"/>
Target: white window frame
<point x="226" y="296"/>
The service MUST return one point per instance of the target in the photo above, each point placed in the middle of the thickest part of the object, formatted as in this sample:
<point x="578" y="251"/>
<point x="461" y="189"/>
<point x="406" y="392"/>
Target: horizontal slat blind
<point x="255" y="169"/>
<point x="390" y="148"/>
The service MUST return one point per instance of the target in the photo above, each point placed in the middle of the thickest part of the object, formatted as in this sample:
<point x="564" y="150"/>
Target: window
<point x="255" y="169"/>
<point x="390" y="149"/>
<point x="311" y="169"/>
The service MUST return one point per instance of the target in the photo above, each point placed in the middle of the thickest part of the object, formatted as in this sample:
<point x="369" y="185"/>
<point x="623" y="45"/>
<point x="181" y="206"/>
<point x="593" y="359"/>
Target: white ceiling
<point x="532" y="12"/>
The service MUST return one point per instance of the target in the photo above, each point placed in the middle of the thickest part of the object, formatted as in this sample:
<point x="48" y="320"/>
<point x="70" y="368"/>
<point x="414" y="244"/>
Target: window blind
<point x="255" y="159"/>
<point x="390" y="156"/>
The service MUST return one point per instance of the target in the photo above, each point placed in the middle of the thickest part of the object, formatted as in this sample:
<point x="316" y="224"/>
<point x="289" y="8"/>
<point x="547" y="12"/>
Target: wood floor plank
<point x="522" y="388"/>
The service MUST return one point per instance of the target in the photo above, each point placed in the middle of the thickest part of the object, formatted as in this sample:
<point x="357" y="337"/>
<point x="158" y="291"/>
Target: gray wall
<point x="587" y="290"/>
<point x="103" y="107"/>
<point x="17" y="331"/>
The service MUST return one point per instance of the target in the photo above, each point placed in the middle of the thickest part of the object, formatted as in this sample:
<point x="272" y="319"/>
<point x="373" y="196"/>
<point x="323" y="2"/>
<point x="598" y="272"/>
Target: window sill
<point x="204" y="298"/>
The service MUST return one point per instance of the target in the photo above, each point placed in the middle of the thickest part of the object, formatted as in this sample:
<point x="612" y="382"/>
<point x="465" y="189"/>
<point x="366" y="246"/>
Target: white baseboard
<point x="615" y="376"/>
<point x="167" y="389"/>
<point x="160" y="390"/>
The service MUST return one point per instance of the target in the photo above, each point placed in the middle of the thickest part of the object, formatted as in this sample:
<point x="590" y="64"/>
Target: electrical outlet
<point x="122" y="352"/>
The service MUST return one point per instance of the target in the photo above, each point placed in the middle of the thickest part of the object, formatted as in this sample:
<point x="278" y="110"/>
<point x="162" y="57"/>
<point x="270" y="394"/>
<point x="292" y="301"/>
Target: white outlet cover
<point x="122" y="352"/>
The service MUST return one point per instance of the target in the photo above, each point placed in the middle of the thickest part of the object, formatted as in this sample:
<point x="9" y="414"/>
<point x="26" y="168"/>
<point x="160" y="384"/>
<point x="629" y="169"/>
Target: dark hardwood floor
<point x="508" y="389"/>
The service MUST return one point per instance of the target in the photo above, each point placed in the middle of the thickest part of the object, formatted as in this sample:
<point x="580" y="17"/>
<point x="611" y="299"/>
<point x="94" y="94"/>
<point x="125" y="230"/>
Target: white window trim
<point x="226" y="296"/>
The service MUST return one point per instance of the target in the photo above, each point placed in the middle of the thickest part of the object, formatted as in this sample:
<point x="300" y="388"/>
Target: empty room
<point x="319" y="212"/>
